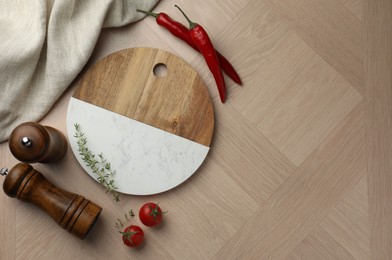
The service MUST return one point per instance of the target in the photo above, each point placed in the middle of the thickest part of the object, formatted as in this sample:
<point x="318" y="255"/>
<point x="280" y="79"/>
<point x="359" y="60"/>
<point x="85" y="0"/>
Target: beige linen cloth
<point x="44" y="44"/>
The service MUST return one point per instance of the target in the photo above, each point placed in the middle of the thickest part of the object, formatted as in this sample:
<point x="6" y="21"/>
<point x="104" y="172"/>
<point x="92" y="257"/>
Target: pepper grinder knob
<point x="26" y="142"/>
<point x="3" y="171"/>
<point x="71" y="211"/>
<point x="31" y="142"/>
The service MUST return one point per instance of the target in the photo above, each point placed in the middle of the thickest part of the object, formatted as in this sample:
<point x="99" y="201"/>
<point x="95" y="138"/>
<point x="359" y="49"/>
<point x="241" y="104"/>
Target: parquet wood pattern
<point x="300" y="161"/>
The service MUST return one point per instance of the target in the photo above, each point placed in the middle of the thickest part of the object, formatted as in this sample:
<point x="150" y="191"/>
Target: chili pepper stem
<point x="147" y="13"/>
<point x="191" y="23"/>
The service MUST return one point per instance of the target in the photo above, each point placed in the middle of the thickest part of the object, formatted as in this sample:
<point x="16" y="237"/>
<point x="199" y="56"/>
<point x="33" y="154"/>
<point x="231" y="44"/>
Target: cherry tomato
<point x="150" y="214"/>
<point x="132" y="236"/>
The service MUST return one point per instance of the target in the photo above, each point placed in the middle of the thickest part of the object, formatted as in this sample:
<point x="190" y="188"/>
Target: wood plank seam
<point x="326" y="216"/>
<point x="378" y="83"/>
<point x="355" y="74"/>
<point x="265" y="246"/>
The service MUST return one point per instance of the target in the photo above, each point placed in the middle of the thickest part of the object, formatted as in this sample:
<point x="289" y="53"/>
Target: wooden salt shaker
<point x="31" y="142"/>
<point x="71" y="211"/>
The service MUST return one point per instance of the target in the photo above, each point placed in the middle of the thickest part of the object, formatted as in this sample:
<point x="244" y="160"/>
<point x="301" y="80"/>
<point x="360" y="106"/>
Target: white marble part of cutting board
<point x="147" y="160"/>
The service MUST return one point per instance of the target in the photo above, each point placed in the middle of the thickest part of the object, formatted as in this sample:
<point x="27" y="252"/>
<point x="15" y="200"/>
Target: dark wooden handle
<point x="71" y="211"/>
<point x="31" y="142"/>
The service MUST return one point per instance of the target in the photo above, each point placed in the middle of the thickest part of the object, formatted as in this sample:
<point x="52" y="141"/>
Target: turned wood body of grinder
<point x="31" y="142"/>
<point x="71" y="211"/>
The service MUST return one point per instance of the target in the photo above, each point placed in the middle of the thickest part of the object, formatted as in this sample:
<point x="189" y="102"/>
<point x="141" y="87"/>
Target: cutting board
<point x="150" y="115"/>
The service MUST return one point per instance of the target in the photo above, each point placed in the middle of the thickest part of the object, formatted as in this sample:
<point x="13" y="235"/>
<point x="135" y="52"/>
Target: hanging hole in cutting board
<point x="160" y="70"/>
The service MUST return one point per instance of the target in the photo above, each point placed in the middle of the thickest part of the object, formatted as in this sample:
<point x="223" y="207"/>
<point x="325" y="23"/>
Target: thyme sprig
<point x="98" y="164"/>
<point x="128" y="216"/>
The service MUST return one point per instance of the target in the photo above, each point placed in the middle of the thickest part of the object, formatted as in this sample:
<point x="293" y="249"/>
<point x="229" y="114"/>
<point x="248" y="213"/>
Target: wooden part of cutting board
<point x="129" y="83"/>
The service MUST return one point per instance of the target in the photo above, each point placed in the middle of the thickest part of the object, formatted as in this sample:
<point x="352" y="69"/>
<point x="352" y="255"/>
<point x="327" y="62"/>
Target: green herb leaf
<point x="131" y="213"/>
<point x="102" y="168"/>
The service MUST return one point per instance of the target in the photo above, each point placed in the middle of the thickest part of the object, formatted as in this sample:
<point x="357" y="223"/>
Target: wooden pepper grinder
<point x="71" y="211"/>
<point x="31" y="142"/>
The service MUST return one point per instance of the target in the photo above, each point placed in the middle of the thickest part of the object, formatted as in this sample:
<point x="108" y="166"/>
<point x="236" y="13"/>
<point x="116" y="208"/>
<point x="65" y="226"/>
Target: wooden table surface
<point x="300" y="162"/>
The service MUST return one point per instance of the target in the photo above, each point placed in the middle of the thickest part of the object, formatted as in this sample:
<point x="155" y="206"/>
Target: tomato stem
<point x="128" y="235"/>
<point x="155" y="212"/>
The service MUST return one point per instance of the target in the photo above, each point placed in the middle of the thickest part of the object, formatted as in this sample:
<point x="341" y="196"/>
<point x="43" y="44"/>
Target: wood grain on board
<point x="153" y="87"/>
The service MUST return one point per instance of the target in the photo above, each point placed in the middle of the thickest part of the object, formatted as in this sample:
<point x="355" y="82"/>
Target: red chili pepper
<point x="204" y="44"/>
<point x="182" y="32"/>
